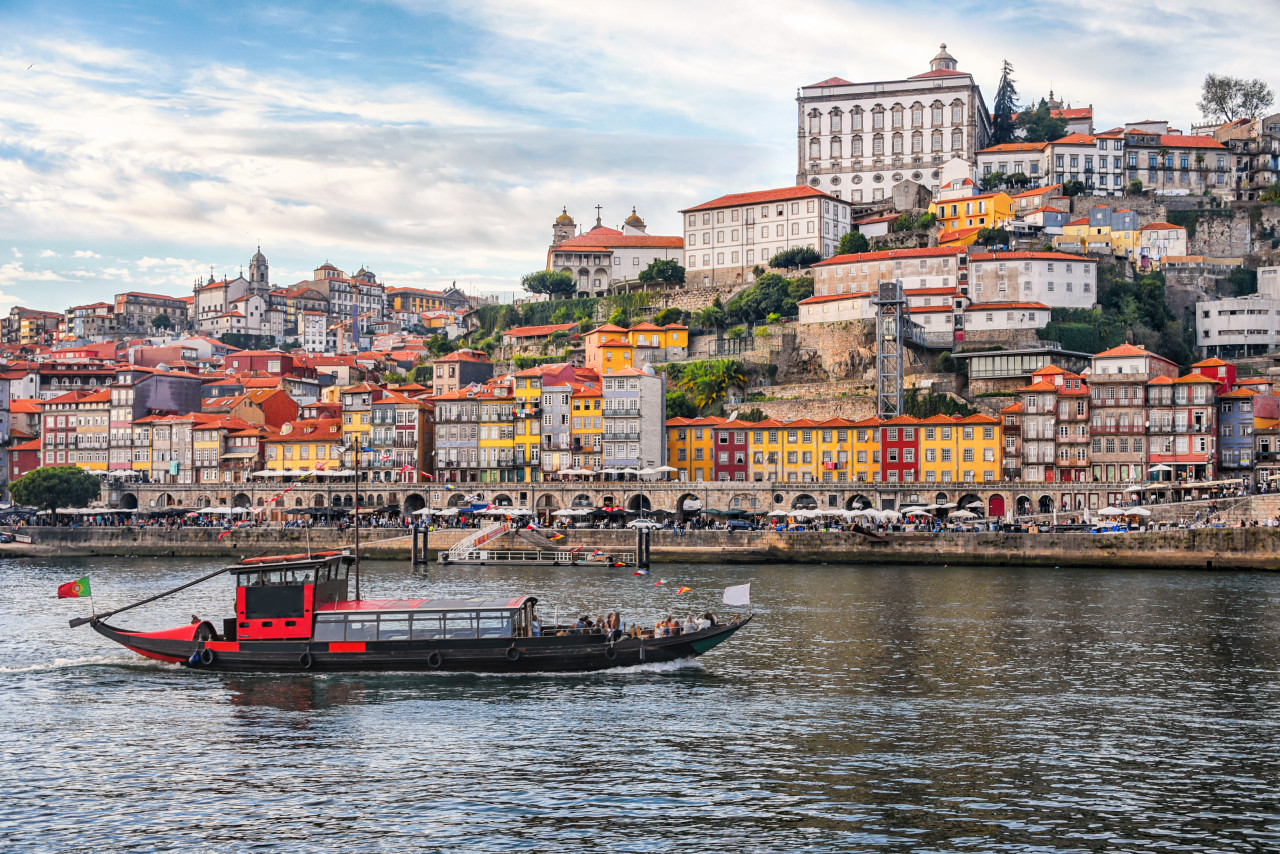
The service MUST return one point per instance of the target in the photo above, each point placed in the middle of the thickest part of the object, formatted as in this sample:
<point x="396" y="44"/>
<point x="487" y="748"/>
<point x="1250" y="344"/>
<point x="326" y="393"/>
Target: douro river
<point x="864" y="709"/>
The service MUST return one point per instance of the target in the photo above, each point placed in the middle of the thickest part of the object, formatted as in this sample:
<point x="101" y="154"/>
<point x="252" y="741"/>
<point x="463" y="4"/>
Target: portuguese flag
<point x="74" y="589"/>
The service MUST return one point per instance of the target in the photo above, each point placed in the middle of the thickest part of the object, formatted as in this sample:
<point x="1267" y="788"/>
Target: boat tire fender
<point x="611" y="652"/>
<point x="433" y="659"/>
<point x="513" y="653"/>
<point x="305" y="660"/>
<point x="206" y="656"/>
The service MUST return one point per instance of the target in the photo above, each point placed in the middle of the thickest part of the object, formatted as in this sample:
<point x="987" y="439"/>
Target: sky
<point x="143" y="144"/>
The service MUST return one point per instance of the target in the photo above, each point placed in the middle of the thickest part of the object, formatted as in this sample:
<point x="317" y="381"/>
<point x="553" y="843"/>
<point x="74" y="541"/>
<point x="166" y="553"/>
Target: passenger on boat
<point x="690" y="626"/>
<point x="535" y="627"/>
<point x="710" y="620"/>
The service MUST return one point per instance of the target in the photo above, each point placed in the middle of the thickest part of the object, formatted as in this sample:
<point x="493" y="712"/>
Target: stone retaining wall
<point x="1210" y="548"/>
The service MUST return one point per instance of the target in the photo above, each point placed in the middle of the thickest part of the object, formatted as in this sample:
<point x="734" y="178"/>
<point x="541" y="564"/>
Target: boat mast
<point x="359" y="451"/>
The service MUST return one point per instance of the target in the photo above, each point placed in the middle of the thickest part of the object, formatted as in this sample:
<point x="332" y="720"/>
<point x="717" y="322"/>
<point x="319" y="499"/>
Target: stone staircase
<point x="1250" y="508"/>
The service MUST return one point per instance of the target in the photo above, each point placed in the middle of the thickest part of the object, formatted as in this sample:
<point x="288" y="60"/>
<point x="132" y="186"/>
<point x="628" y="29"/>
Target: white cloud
<point x="14" y="273"/>
<point x="16" y="252"/>
<point x="48" y="253"/>
<point x="86" y="253"/>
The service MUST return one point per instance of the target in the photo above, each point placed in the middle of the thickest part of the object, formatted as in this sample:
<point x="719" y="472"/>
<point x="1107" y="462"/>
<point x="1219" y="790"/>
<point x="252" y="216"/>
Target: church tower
<point x="259" y="281"/>
<point x="563" y="228"/>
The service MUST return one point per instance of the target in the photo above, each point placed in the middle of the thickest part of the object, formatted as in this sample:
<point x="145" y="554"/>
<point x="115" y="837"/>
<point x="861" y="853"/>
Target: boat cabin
<point x="424" y="619"/>
<point x="275" y="601"/>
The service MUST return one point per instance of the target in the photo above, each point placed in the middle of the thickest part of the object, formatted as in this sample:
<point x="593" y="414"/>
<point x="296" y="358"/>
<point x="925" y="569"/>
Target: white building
<point x="1158" y="239"/>
<point x="1030" y="159"/>
<point x="1003" y="316"/>
<point x="857" y="140"/>
<point x="603" y="256"/>
<point x="1054" y="279"/>
<point x="1241" y="326"/>
<point x="312" y="331"/>
<point x="726" y="237"/>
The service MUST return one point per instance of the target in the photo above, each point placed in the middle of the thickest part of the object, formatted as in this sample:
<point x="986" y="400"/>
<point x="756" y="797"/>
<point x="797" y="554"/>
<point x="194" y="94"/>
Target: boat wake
<point x="88" y="661"/>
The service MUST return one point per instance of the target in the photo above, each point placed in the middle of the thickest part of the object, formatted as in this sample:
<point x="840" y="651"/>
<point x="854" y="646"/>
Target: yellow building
<point x="497" y="442"/>
<point x="959" y="450"/>
<point x="586" y="425"/>
<point x="357" y="408"/>
<point x="527" y="423"/>
<point x="989" y="210"/>
<point x="865" y="456"/>
<point x="766" y="451"/>
<point x="691" y="447"/>
<point x="834" y="442"/>
<point x="305" y="445"/>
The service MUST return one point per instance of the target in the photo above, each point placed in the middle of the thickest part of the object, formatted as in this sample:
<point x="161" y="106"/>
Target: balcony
<point x="1117" y="428"/>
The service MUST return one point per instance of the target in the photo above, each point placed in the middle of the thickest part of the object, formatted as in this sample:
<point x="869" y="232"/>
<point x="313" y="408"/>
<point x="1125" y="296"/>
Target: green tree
<point x="1040" y="125"/>
<point x="904" y="222"/>
<point x="1271" y="195"/>
<point x="553" y="283"/>
<point x="994" y="181"/>
<point x="1074" y="187"/>
<point x="440" y="345"/>
<point x="680" y="406"/>
<point x="161" y="321"/>
<point x="662" y="271"/>
<point x="1019" y="180"/>
<point x="794" y="258"/>
<point x="992" y="237"/>
<point x="853" y="243"/>
<point x="669" y="315"/>
<point x="1004" y="107"/>
<point x="1135" y="187"/>
<point x="1243" y="282"/>
<point x="1224" y="98"/>
<point x="926" y="220"/>
<point x="753" y="415"/>
<point x="51" y="487"/>
<point x="713" y="316"/>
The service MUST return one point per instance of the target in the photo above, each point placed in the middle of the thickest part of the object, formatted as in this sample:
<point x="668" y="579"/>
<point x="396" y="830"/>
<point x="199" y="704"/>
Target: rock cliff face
<point x="830" y="351"/>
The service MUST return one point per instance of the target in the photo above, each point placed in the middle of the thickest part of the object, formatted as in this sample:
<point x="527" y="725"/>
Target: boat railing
<point x="545" y="557"/>
<point x="472" y="541"/>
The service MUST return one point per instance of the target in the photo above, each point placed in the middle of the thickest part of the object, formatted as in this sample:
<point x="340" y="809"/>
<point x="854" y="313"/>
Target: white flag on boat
<point x="738" y="595"/>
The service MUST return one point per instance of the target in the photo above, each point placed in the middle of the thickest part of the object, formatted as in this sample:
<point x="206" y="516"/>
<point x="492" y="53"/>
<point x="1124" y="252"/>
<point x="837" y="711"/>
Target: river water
<point x="865" y="709"/>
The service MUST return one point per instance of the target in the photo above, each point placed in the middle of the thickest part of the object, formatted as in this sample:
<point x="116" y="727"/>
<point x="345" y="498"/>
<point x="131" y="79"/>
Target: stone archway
<point x="581" y="500"/>
<point x="804" y="501"/>
<point x="1022" y="505"/>
<point x="202" y="501"/>
<point x="129" y="501"/>
<point x="502" y="500"/>
<point x="319" y="501"/>
<point x="241" y="500"/>
<point x="413" y="503"/>
<point x="457" y="499"/>
<point x="639" y="503"/>
<point x="970" y="498"/>
<point x="694" y="502"/>
<point x="164" y="499"/>
<point x="297" y="502"/>
<point x="941" y="498"/>
<point x="995" y="507"/>
<point x="858" y="501"/>
<point x="1045" y="503"/>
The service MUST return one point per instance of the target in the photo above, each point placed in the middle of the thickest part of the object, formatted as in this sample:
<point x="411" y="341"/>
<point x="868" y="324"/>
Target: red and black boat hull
<point x="197" y="646"/>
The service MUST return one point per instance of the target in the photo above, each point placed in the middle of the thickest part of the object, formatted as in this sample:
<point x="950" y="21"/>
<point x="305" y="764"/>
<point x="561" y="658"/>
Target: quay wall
<point x="1204" y="548"/>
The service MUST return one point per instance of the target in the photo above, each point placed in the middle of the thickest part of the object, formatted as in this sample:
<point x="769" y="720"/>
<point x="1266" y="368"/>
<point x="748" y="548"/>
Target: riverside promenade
<point x="1236" y="548"/>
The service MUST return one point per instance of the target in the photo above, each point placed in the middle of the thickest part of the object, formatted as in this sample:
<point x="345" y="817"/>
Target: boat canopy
<point x="512" y="604"/>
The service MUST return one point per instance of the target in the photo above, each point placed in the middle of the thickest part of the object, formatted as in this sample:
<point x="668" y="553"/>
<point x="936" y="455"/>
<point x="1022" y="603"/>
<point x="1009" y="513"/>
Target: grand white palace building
<point x="856" y="141"/>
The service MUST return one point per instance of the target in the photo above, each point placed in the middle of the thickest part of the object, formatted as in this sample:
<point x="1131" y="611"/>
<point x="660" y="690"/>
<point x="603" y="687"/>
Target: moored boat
<point x="293" y="614"/>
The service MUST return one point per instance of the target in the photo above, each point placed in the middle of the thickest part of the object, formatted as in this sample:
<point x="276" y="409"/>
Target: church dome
<point x="564" y="218"/>
<point x="634" y="221"/>
<point x="258" y="256"/>
<point x="943" y="60"/>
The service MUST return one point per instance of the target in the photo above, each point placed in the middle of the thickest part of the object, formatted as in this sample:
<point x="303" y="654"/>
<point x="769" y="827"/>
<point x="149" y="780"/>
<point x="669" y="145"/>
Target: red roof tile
<point x="830" y="81"/>
<point x="781" y="194"/>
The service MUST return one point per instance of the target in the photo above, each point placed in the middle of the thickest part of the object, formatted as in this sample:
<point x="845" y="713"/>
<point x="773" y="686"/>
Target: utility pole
<point x="891" y="319"/>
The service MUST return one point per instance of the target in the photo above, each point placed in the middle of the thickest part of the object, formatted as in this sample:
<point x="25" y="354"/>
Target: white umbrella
<point x="1138" y="511"/>
<point x="974" y="505"/>
<point x="1135" y="488"/>
<point x="647" y="471"/>
<point x="666" y="468"/>
<point x="565" y="513"/>
<point x="964" y="514"/>
<point x="691" y="504"/>
<point x="425" y="511"/>
<point x="1110" y="511"/>
<point x="950" y="505"/>
<point x="890" y="514"/>
<point x="1161" y="467"/>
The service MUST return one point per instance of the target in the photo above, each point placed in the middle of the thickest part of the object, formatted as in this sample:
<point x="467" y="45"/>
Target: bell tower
<point x="259" y="272"/>
<point x="563" y="228"/>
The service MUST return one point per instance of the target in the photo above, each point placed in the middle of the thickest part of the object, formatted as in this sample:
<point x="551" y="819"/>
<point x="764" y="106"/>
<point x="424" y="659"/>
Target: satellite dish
<point x="734" y="415"/>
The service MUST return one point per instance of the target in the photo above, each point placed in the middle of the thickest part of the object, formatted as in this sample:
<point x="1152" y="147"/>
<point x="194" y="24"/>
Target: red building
<point x="23" y="458"/>
<point x="730" y="452"/>
<point x="59" y="432"/>
<point x="900" y="450"/>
